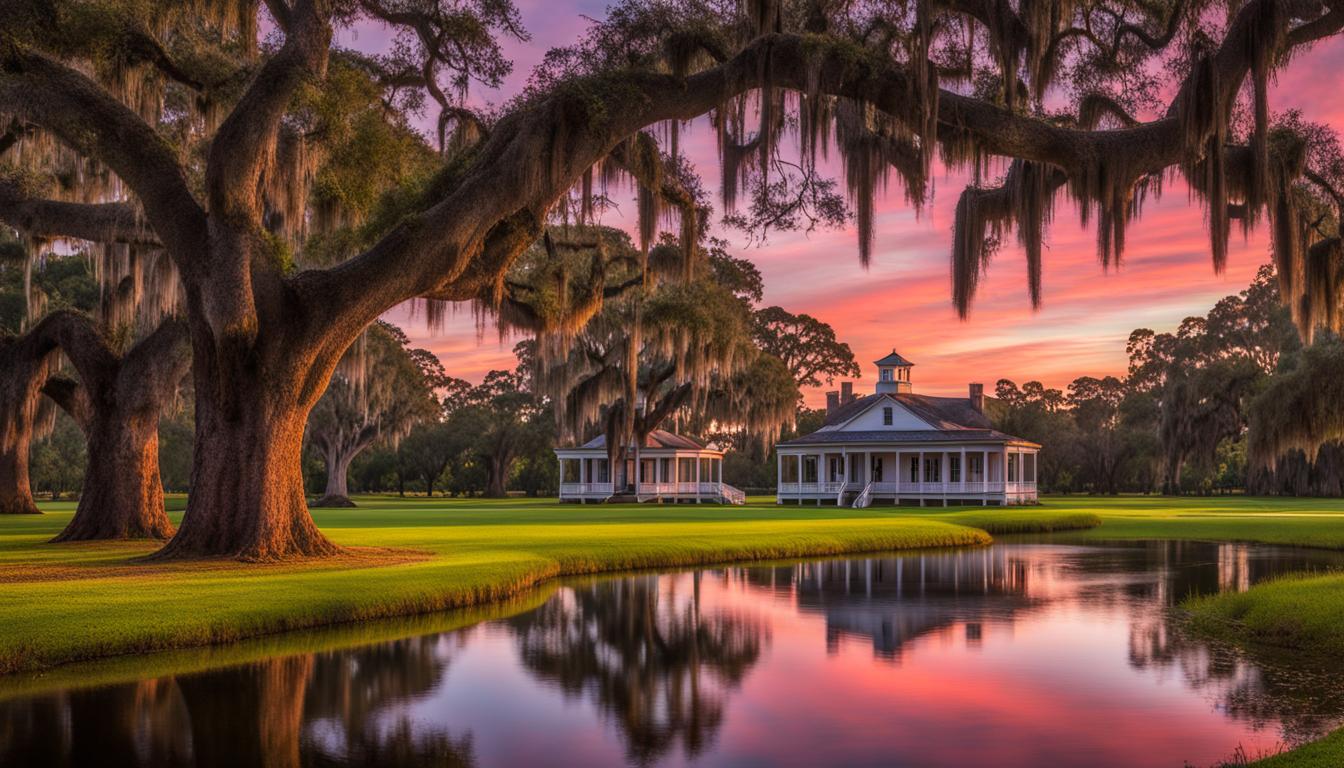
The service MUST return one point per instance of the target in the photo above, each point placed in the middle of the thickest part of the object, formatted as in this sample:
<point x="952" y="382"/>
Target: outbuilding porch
<point x="661" y="474"/>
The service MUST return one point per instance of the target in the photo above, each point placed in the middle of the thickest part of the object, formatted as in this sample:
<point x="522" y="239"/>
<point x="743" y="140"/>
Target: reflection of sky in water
<point x="1018" y="655"/>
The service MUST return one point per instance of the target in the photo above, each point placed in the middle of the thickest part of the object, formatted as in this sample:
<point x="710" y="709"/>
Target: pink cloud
<point x="903" y="300"/>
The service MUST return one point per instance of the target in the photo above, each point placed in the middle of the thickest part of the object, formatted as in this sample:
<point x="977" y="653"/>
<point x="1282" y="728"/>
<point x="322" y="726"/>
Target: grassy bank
<point x="74" y="602"/>
<point x="62" y="603"/>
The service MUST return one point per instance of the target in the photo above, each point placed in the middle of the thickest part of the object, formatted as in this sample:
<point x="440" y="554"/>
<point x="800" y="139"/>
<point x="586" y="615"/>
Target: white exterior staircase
<point x="865" y="497"/>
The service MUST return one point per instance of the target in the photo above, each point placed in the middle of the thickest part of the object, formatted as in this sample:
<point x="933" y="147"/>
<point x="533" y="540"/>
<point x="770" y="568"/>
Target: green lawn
<point x="95" y="603"/>
<point x="71" y="602"/>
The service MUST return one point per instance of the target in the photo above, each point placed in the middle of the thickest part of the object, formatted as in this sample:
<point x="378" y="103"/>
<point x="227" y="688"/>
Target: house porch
<point x="970" y="474"/>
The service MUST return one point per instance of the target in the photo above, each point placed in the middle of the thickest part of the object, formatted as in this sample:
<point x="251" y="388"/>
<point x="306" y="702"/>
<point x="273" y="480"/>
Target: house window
<point x="1012" y="468"/>
<point x="886" y="416"/>
<point x="877" y="469"/>
<point x="954" y="469"/>
<point x="886" y="374"/>
<point x="914" y="469"/>
<point x="975" y="466"/>
<point x="809" y="469"/>
<point x="932" y="470"/>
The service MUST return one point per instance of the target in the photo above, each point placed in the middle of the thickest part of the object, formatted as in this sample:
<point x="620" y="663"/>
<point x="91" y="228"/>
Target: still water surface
<point x="1016" y="655"/>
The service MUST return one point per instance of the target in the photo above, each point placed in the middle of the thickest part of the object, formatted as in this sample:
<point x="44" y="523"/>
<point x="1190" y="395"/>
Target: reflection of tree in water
<point x="262" y="714"/>
<point x="1304" y="698"/>
<point x="351" y="702"/>
<point x="139" y="724"/>
<point x="655" y="663"/>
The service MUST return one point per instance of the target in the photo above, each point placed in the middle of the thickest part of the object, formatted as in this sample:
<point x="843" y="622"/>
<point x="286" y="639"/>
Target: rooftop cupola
<point x="893" y="373"/>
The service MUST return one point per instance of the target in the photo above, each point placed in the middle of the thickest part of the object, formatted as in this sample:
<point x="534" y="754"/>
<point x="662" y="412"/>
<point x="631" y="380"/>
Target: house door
<point x="877" y="469"/>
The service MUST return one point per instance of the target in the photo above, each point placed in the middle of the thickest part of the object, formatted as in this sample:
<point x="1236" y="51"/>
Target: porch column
<point x="919" y="476"/>
<point x="583" y="470"/>
<point x="867" y="476"/>
<point x="697" y="478"/>
<point x="562" y="473"/>
<point x="779" y="475"/>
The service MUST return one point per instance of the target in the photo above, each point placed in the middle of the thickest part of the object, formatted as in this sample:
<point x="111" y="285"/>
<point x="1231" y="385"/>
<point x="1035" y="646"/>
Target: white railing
<point x="657" y="489"/>
<point x="892" y="488"/>
<point x="687" y="488"/>
<point x="585" y="489"/>
<point x="734" y="496"/>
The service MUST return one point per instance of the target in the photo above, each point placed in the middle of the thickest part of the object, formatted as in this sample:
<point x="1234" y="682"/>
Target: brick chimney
<point x="846" y="392"/>
<point x="832" y="401"/>
<point x="977" y="392"/>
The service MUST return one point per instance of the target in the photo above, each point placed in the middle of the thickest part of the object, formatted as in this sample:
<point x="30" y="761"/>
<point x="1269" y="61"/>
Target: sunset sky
<point x="903" y="299"/>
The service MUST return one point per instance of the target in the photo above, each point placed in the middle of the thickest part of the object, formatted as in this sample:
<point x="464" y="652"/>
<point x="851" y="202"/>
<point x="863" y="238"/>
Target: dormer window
<point x="886" y="416"/>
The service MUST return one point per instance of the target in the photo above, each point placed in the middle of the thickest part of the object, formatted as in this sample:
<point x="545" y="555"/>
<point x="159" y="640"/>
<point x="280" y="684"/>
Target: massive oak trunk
<point x="123" y="495"/>
<point x="117" y="403"/>
<point x="247" y="496"/>
<point x="16" y="495"/>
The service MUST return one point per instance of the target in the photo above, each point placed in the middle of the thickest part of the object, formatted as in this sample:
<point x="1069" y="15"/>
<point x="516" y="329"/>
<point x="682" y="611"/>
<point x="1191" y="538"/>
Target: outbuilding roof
<point x="659" y="438"/>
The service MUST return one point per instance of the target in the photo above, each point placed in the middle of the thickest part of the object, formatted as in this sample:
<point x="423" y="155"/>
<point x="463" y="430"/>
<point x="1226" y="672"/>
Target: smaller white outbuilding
<point x="668" y="467"/>
<point x="897" y="446"/>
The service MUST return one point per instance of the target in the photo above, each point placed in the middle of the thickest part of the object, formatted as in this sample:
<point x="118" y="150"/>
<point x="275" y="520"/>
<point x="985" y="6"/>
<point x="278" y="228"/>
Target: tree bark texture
<point x="24" y="365"/>
<point x="117" y="403"/>
<point x="247" y="496"/>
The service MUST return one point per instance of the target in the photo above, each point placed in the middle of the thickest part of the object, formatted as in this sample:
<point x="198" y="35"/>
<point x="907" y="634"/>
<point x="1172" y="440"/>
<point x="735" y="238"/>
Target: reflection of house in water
<point x="894" y="600"/>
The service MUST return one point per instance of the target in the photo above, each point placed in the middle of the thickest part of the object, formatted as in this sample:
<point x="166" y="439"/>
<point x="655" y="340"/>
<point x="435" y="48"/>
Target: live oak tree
<point x="127" y="363"/>
<point x="888" y="88"/>
<point x="675" y="343"/>
<point x="377" y="394"/>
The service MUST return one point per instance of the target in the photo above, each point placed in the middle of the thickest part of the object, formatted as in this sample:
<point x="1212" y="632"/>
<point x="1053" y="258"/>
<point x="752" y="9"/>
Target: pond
<point x="1021" y="654"/>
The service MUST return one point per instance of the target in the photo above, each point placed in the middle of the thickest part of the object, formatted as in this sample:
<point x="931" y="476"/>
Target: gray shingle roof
<point x="659" y="438"/>
<point x="939" y="412"/>
<point x="905" y="436"/>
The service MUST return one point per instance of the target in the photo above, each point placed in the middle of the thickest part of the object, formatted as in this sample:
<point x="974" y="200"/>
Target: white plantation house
<point x="897" y="446"/>
<point x="666" y="467"/>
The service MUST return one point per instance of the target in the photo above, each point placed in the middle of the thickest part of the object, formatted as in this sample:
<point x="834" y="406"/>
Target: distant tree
<point x="1096" y="410"/>
<point x="377" y="394"/>
<point x="426" y="453"/>
<point x="807" y="346"/>
<point x="505" y="421"/>
<point x="1042" y="415"/>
